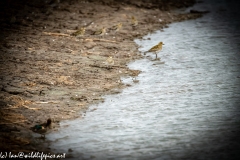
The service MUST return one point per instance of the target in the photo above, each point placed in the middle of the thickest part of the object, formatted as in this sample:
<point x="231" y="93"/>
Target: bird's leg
<point x="156" y="55"/>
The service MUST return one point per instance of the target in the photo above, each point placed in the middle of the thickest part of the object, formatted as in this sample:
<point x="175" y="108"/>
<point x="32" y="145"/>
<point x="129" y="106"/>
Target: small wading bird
<point x="116" y="27"/>
<point x="42" y="128"/>
<point x="79" y="32"/>
<point x="155" y="48"/>
<point x="100" y="32"/>
<point x="134" y="22"/>
<point x="110" y="61"/>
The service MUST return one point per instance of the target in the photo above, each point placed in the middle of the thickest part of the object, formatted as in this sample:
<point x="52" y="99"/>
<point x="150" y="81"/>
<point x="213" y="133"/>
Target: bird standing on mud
<point x="155" y="48"/>
<point x="100" y="32"/>
<point x="134" y="22"/>
<point x="110" y="61"/>
<point x="79" y="32"/>
<point x="116" y="27"/>
<point x="42" y="128"/>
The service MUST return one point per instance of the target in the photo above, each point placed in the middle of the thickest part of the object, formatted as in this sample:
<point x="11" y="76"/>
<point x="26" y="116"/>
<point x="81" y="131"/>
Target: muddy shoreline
<point x="46" y="72"/>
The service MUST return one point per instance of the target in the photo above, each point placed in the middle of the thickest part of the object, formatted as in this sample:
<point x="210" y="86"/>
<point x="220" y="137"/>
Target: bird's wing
<point x="153" y="48"/>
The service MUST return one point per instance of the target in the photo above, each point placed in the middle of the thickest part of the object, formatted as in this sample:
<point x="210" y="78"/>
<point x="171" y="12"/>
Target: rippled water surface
<point x="184" y="106"/>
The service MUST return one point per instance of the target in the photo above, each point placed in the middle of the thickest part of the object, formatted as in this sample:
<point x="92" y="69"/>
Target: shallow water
<point x="185" y="106"/>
